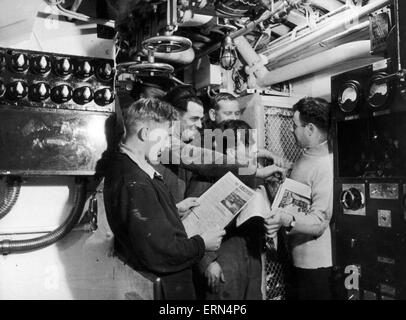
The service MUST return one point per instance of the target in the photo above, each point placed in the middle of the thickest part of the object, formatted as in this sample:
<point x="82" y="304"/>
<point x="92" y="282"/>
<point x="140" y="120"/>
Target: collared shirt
<point x="142" y="163"/>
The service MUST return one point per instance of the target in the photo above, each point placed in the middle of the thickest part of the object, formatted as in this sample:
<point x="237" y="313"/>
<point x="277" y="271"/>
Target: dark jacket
<point x="148" y="232"/>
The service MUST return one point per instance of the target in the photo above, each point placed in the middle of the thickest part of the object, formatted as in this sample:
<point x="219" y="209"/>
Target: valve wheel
<point x="167" y="44"/>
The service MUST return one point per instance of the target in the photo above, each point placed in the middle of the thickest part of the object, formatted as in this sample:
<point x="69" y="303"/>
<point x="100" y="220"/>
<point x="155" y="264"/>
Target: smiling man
<point x="224" y="107"/>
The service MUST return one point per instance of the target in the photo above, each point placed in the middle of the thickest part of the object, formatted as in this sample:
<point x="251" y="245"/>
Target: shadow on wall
<point x="90" y="269"/>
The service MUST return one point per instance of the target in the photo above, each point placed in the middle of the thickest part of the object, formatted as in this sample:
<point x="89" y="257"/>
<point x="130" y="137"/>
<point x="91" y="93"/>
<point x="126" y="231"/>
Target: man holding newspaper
<point x="308" y="229"/>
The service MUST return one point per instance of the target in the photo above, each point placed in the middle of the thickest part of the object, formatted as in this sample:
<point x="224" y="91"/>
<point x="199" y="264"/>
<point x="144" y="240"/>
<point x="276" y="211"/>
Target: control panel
<point x="55" y="112"/>
<point x="44" y="80"/>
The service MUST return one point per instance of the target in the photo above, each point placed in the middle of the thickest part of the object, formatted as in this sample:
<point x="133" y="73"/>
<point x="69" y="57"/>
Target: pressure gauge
<point x="349" y="96"/>
<point x="379" y="92"/>
<point x="352" y="199"/>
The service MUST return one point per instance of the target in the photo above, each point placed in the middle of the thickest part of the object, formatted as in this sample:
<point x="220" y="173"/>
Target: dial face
<point x="378" y="94"/>
<point x="348" y="97"/>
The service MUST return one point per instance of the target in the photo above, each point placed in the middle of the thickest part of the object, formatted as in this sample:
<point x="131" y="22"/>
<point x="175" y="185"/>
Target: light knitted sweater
<point x="310" y="239"/>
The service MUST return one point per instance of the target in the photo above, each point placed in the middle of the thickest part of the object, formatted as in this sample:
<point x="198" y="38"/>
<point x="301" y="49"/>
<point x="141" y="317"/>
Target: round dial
<point x="61" y="93"/>
<point x="17" y="90"/>
<point x="19" y="62"/>
<point x="352" y="199"/>
<point x="105" y="71"/>
<point x="40" y="91"/>
<point x="63" y="67"/>
<point x="103" y="97"/>
<point x="83" y="69"/>
<point x="41" y="64"/>
<point x="83" y="95"/>
<point x="349" y="96"/>
<point x="378" y="92"/>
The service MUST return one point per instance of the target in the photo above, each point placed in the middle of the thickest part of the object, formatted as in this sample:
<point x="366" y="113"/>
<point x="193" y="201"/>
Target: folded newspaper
<point x="229" y="198"/>
<point x="218" y="206"/>
<point x="293" y="198"/>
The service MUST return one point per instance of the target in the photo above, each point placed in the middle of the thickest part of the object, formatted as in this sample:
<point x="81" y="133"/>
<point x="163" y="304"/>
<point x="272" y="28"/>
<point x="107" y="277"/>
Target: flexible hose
<point x="10" y="198"/>
<point x="14" y="246"/>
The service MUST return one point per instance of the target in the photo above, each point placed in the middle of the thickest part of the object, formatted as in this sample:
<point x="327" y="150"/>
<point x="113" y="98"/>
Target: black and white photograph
<point x="203" y="154"/>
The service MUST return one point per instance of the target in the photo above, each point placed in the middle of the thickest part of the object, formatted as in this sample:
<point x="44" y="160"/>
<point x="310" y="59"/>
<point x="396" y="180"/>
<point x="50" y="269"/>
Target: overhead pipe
<point x="359" y="32"/>
<point x="305" y="29"/>
<point x="318" y="62"/>
<point x="329" y="5"/>
<point x="281" y="8"/>
<point x="326" y="31"/>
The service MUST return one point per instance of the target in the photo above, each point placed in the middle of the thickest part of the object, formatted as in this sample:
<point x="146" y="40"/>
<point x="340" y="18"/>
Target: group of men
<point x="162" y="166"/>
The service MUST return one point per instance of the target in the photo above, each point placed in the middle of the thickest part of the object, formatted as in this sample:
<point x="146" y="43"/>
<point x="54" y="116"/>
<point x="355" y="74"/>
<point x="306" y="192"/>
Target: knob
<point x="105" y="71"/>
<point x="17" y="90"/>
<point x="103" y="97"/>
<point x="40" y="91"/>
<point x="2" y="61"/>
<point x="83" y="69"/>
<point x="353" y="242"/>
<point x="61" y="93"/>
<point x="41" y="64"/>
<point x="63" y="67"/>
<point x="2" y="89"/>
<point x="352" y="199"/>
<point x="19" y="62"/>
<point x="83" y="95"/>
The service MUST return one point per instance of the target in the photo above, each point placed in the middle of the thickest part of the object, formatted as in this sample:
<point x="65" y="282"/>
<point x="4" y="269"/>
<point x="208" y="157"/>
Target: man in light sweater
<point x="309" y="235"/>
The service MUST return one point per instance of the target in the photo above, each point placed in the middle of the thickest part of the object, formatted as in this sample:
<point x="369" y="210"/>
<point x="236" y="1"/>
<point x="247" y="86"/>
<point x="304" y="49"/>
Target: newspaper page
<point x="259" y="206"/>
<point x="293" y="198"/>
<point x="218" y="205"/>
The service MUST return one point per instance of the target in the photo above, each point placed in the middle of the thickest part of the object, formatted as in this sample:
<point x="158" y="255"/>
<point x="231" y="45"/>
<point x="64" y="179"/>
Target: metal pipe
<point x="321" y="61"/>
<point x="11" y="195"/>
<point x="330" y="5"/>
<point x="327" y="31"/>
<point x="282" y="7"/>
<point x="359" y="32"/>
<point x="13" y="246"/>
<point x="305" y="29"/>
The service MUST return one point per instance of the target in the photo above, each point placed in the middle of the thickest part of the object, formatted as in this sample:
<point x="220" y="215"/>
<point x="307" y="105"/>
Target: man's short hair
<point x="314" y="110"/>
<point x="235" y="126"/>
<point x="222" y="96"/>
<point x="180" y="96"/>
<point x="147" y="109"/>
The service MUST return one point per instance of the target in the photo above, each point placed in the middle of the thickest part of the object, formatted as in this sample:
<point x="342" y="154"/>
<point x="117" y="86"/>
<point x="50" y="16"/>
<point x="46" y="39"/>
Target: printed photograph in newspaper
<point x="293" y="197"/>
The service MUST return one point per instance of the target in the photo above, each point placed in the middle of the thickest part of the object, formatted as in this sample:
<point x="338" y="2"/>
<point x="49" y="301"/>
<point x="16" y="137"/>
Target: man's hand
<point x="212" y="239"/>
<point x="272" y="225"/>
<point x="275" y="221"/>
<point x="278" y="161"/>
<point x="270" y="171"/>
<point x="186" y="205"/>
<point x="214" y="274"/>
